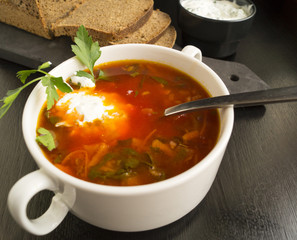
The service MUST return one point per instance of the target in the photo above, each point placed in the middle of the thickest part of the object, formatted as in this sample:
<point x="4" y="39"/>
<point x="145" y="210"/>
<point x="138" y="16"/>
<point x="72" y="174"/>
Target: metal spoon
<point x="275" y="95"/>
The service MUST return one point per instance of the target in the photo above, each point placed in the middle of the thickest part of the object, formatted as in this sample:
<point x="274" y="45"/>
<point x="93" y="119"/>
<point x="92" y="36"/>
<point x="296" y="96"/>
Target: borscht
<point x="113" y="131"/>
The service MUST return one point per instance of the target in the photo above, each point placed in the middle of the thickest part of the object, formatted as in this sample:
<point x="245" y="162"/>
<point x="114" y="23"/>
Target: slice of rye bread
<point x="150" y="32"/>
<point x="168" y="38"/>
<point x="29" y="20"/>
<point x="106" y="20"/>
<point x="55" y="10"/>
<point x="36" y="16"/>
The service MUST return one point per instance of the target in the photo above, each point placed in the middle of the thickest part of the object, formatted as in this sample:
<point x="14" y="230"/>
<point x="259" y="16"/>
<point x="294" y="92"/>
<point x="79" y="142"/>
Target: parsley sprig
<point x="87" y="52"/>
<point x="49" y="81"/>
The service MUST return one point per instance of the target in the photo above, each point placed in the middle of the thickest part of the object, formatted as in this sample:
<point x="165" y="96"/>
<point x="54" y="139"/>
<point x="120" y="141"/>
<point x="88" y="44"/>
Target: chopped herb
<point x="149" y="160"/>
<point x="160" y="80"/>
<point x="134" y="74"/>
<point x="132" y="70"/>
<point x="131" y="163"/>
<point x="140" y="85"/>
<point x="104" y="77"/>
<point x="46" y="139"/>
<point x="58" y="159"/>
<point x="180" y="81"/>
<point x="124" y="160"/>
<point x="52" y="119"/>
<point x="141" y="81"/>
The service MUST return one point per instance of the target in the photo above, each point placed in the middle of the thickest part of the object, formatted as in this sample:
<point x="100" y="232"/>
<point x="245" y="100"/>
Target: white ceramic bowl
<point x="135" y="208"/>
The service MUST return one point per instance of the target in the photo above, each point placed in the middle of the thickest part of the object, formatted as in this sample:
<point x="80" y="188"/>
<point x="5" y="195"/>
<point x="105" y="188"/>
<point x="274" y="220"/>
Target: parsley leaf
<point x="51" y="91"/>
<point x="24" y="74"/>
<point x="46" y="139"/>
<point x="45" y="65"/>
<point x="51" y="82"/>
<point x="83" y="74"/>
<point x="87" y="51"/>
<point x="60" y="84"/>
<point x="11" y="95"/>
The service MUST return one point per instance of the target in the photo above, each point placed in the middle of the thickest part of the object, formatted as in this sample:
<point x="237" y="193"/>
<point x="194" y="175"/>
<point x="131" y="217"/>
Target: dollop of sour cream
<point x="82" y="81"/>
<point x="92" y="114"/>
<point x="215" y="9"/>
<point x="89" y="106"/>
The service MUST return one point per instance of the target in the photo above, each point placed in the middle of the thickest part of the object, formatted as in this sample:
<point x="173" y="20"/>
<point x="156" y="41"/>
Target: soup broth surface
<point x="115" y="133"/>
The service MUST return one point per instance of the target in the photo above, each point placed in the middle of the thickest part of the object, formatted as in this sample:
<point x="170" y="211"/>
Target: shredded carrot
<point x="203" y="128"/>
<point x="140" y="144"/>
<point x="145" y="93"/>
<point x="77" y="161"/>
<point x="131" y="181"/>
<point x="102" y="149"/>
<point x="109" y="166"/>
<point x="191" y="135"/>
<point x="137" y="144"/>
<point x="163" y="147"/>
<point x="148" y="137"/>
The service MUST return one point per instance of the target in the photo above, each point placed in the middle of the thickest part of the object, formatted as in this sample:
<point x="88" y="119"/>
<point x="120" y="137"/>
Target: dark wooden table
<point x="254" y="195"/>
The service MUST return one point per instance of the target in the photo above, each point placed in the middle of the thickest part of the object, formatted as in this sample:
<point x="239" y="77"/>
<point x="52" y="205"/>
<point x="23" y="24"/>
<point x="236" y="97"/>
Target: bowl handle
<point x="193" y="52"/>
<point x="27" y="187"/>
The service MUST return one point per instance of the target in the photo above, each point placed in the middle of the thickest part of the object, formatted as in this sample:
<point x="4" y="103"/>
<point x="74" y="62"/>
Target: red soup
<point x="115" y="133"/>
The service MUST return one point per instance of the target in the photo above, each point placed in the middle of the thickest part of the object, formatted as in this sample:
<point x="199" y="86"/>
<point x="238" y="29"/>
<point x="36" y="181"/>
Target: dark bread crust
<point x="168" y="38"/>
<point x="150" y="32"/>
<point x="30" y="21"/>
<point x="36" y="16"/>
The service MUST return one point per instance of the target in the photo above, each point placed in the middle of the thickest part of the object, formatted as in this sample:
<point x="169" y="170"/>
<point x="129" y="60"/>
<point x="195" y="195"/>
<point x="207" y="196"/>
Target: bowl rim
<point x="254" y="10"/>
<point x="181" y="178"/>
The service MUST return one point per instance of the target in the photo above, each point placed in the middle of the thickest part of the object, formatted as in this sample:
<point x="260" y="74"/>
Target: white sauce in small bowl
<point x="218" y="10"/>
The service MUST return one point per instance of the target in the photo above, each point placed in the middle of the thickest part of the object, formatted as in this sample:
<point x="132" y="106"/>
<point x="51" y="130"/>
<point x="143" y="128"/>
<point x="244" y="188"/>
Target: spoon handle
<point x="275" y="95"/>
